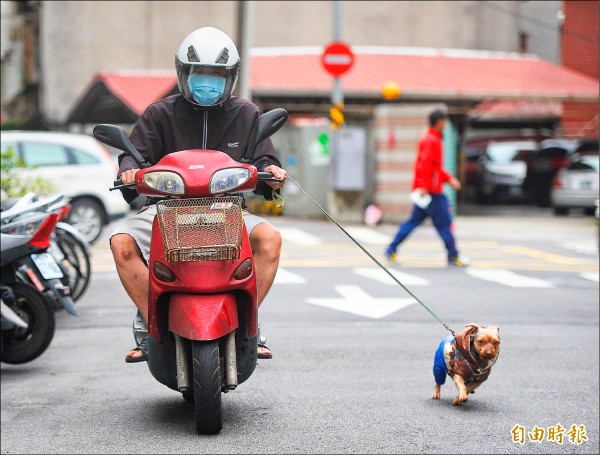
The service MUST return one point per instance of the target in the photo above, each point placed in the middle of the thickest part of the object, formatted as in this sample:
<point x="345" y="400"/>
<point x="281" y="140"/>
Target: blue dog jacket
<point x="439" y="364"/>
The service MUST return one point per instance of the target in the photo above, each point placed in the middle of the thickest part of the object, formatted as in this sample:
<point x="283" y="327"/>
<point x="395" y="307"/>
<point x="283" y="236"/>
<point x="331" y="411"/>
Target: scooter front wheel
<point x="207" y="386"/>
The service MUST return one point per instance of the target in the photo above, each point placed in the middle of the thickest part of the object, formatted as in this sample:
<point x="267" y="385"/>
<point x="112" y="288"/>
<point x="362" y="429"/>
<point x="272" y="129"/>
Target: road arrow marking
<point x="379" y="275"/>
<point x="508" y="278"/>
<point x="356" y="301"/>
<point x="286" y="277"/>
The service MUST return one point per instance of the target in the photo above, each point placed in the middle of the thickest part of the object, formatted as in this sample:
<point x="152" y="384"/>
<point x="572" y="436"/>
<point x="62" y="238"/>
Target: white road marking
<point x="379" y="275"/>
<point x="586" y="247"/>
<point x="590" y="276"/>
<point x="356" y="301"/>
<point x="369" y="236"/>
<point x="298" y="236"/>
<point x="508" y="278"/>
<point x="286" y="277"/>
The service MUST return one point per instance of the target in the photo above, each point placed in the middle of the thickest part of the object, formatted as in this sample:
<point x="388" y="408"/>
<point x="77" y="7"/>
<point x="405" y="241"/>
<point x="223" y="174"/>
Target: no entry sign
<point x="337" y="58"/>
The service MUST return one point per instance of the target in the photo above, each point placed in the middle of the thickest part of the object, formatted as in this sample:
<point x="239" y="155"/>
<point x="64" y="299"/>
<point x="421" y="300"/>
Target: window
<point x="586" y="163"/>
<point x="81" y="157"/>
<point x="44" y="154"/>
<point x="9" y="145"/>
<point x="505" y="152"/>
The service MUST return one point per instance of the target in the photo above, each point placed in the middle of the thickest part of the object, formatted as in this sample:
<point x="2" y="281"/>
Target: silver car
<point x="576" y="185"/>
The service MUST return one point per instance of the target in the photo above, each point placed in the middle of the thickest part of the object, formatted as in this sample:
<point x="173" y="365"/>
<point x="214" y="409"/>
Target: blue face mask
<point x="206" y="88"/>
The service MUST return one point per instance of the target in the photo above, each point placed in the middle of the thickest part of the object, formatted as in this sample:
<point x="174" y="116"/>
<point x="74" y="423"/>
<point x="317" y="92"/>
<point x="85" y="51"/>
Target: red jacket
<point x="429" y="172"/>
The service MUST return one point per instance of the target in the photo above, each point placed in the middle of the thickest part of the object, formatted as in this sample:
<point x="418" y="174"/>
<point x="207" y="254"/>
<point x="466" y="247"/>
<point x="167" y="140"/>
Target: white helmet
<point x="207" y="64"/>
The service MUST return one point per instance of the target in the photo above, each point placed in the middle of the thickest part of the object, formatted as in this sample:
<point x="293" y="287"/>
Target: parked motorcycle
<point x="68" y="246"/>
<point x="203" y="310"/>
<point x="25" y="257"/>
<point x="27" y="322"/>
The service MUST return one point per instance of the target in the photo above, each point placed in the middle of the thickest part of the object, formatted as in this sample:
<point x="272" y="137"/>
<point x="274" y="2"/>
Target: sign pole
<point x="338" y="95"/>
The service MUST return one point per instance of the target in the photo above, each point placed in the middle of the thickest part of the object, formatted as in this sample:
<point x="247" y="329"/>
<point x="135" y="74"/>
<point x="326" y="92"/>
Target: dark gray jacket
<point x="172" y="124"/>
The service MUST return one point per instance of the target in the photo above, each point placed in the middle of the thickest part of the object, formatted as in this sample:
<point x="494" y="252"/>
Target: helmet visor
<point x="206" y="85"/>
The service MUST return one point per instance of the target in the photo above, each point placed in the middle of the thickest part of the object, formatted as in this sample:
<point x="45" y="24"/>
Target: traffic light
<point x="336" y="115"/>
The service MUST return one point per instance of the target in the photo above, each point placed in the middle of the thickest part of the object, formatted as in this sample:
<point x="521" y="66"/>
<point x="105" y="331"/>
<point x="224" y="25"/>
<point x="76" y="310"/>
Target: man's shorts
<point x="139" y="226"/>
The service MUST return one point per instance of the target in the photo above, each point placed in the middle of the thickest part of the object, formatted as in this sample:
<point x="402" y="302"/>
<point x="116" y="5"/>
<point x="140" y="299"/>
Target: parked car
<point x="576" y="185"/>
<point x="77" y="166"/>
<point x="473" y="155"/>
<point x="503" y="168"/>
<point x="552" y="155"/>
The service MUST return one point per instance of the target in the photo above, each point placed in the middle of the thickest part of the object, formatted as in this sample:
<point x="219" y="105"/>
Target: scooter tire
<point x="76" y="263"/>
<point x="206" y="367"/>
<point x="24" y="345"/>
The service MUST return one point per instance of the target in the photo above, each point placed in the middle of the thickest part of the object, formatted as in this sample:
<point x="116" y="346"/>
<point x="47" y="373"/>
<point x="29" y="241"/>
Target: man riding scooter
<point x="203" y="116"/>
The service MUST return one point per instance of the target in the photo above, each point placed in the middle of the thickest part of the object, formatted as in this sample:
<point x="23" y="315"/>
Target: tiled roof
<point x="419" y="72"/>
<point x="138" y="89"/>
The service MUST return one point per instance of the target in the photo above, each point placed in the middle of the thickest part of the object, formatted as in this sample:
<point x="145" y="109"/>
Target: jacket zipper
<point x="205" y="130"/>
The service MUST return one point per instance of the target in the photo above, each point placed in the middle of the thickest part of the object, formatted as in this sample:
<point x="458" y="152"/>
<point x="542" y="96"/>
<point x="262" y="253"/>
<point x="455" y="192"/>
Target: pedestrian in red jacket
<point x="427" y="196"/>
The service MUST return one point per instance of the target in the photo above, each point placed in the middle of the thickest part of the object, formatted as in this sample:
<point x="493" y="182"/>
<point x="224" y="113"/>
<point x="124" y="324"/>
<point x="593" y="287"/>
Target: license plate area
<point x="47" y="266"/>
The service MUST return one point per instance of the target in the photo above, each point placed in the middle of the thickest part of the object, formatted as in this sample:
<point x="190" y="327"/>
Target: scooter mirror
<point x="265" y="126"/>
<point x="115" y="136"/>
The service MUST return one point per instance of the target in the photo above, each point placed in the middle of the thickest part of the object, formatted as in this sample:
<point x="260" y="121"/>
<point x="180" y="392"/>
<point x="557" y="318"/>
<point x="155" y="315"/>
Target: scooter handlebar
<point x="118" y="184"/>
<point x="267" y="177"/>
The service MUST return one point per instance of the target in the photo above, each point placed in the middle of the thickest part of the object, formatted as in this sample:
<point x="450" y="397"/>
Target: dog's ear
<point x="495" y="328"/>
<point x="472" y="324"/>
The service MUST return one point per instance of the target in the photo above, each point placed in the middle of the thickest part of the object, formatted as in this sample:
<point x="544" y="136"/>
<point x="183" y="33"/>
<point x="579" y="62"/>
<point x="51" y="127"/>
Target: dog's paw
<point x="436" y="395"/>
<point x="460" y="400"/>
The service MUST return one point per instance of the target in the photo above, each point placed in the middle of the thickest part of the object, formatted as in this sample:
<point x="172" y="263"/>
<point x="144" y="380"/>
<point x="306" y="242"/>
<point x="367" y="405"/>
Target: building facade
<point x="77" y="39"/>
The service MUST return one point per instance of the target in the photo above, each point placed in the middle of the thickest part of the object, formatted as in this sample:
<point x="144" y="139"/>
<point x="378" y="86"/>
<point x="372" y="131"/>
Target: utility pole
<point x="245" y="26"/>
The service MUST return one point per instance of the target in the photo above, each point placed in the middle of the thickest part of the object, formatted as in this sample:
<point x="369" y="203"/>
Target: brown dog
<point x="468" y="359"/>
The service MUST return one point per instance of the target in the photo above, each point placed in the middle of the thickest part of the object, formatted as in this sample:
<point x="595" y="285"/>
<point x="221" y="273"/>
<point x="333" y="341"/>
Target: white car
<point x="576" y="185"/>
<point x="77" y="166"/>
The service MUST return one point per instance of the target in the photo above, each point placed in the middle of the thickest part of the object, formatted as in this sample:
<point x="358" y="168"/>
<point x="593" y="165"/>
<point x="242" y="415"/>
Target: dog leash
<point x="278" y="200"/>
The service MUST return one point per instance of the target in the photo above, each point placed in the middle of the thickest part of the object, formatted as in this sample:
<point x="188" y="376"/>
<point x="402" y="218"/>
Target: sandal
<point x="140" y="335"/>
<point x="140" y="358"/>
<point x="264" y="356"/>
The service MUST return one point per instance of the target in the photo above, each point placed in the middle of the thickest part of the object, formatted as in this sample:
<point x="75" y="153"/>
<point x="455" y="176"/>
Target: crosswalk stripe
<point x="590" y="276"/>
<point x="586" y="247"/>
<point x="508" y="278"/>
<point x="286" y="277"/>
<point x="379" y="275"/>
<point x="369" y="236"/>
<point x="298" y="236"/>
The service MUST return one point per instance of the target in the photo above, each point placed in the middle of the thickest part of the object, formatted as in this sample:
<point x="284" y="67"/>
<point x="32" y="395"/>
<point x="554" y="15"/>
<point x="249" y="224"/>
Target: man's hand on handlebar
<point x="278" y="173"/>
<point x="129" y="176"/>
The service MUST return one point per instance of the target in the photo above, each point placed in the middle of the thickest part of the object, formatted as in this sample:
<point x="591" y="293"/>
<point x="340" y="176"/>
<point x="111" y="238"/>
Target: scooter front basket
<point x="201" y="229"/>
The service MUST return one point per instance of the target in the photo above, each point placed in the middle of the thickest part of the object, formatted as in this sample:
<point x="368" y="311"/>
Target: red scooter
<point x="203" y="311"/>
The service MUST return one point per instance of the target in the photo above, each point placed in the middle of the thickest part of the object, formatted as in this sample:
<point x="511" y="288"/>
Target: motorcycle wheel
<point x="206" y="367"/>
<point x="23" y="345"/>
<point x="76" y="263"/>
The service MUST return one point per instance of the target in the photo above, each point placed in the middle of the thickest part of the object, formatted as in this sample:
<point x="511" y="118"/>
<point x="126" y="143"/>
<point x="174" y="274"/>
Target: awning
<point x="121" y="96"/>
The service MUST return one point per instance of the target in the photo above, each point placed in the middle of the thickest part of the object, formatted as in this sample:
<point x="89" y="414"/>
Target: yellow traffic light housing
<point x="336" y="115"/>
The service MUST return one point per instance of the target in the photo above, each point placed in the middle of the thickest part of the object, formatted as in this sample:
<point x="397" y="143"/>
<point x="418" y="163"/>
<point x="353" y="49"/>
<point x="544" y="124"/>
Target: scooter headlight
<point x="165" y="182"/>
<point x="228" y="179"/>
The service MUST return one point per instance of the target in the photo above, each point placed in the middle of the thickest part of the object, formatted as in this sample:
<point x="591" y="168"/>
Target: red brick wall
<point x="579" y="51"/>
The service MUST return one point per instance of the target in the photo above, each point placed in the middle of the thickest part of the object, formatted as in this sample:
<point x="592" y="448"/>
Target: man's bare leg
<point x="133" y="273"/>
<point x="265" y="242"/>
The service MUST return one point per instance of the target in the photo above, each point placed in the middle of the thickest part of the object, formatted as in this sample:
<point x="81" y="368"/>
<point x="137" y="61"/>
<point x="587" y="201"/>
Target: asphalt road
<point x="353" y="353"/>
